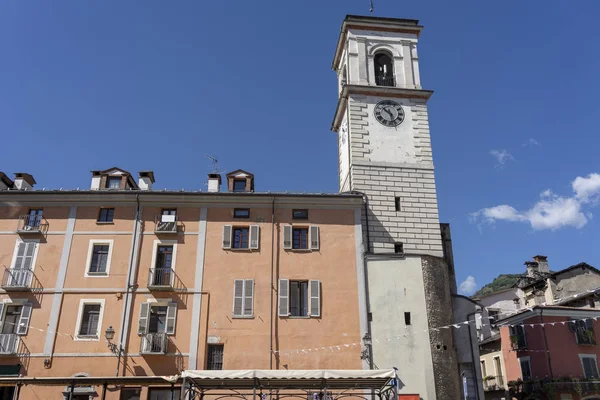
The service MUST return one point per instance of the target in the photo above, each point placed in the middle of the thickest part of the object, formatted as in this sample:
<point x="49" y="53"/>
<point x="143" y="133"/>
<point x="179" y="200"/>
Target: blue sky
<point x="156" y="85"/>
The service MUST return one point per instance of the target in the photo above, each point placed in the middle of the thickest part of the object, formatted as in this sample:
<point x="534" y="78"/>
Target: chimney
<point x="146" y="180"/>
<point x="532" y="268"/>
<point x="95" y="180"/>
<point x="214" y="183"/>
<point x="24" y="181"/>
<point x="542" y="262"/>
<point x="5" y="182"/>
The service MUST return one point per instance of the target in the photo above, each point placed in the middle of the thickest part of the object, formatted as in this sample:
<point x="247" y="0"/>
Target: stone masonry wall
<point x="439" y="313"/>
<point x="416" y="224"/>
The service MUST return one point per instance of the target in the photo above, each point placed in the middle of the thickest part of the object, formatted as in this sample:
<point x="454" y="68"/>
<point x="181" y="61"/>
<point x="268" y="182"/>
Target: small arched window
<point x="344" y="76"/>
<point x="384" y="70"/>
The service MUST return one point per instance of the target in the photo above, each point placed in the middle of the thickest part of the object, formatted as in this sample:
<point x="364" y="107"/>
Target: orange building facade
<point x="123" y="280"/>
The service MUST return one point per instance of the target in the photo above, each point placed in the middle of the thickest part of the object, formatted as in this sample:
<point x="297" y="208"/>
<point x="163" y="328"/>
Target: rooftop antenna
<point x="215" y="164"/>
<point x="372" y="6"/>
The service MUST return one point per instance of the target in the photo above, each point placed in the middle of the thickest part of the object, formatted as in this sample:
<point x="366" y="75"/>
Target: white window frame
<point x="582" y="356"/>
<point x="302" y="224"/>
<point x="35" y="253"/>
<point x="499" y="373"/>
<point x="13" y="302"/>
<point x="160" y="302"/>
<point x="528" y="359"/>
<point x="82" y="303"/>
<point x="166" y="242"/>
<point x="88" y="261"/>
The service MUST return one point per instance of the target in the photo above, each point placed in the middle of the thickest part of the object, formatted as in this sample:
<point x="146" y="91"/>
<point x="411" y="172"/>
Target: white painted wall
<point x="145" y="183"/>
<point x="395" y="287"/>
<point x="344" y="156"/>
<point x="95" y="183"/>
<point x="391" y="144"/>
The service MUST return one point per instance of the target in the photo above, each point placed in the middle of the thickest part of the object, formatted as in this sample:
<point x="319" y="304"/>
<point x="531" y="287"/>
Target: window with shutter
<point x="1" y="316"/>
<point x="287" y="237"/>
<point x="243" y="298"/>
<point x="90" y="318"/>
<point x="25" y="254"/>
<point x="283" y="294"/>
<point x="24" y="319"/>
<point x="314" y="237"/>
<point x="590" y="367"/>
<point x="143" y="319"/>
<point x="227" y="236"/>
<point x="238" y="297"/>
<point x="254" y="236"/>
<point x="99" y="259"/>
<point x="171" y="318"/>
<point x="315" y="298"/>
<point x="248" y="297"/>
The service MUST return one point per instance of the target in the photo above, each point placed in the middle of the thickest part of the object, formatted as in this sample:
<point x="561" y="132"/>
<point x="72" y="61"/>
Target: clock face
<point x="389" y="113"/>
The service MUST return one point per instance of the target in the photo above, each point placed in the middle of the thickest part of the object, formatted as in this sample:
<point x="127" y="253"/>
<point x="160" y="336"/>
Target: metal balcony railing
<point x="9" y="342"/>
<point x="385" y="81"/>
<point x="17" y="278"/>
<point x="160" y="278"/>
<point x="154" y="343"/>
<point x="165" y="224"/>
<point x="32" y="224"/>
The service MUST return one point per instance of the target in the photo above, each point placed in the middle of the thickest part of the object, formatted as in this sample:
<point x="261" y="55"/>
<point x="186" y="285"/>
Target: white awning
<point x="290" y="374"/>
<point x="307" y="380"/>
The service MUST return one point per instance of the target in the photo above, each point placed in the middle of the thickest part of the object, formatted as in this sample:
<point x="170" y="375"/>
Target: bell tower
<point x="384" y="150"/>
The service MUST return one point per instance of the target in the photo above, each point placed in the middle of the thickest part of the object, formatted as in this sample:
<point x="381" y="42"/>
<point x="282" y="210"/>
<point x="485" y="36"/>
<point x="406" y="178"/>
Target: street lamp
<point x="109" y="334"/>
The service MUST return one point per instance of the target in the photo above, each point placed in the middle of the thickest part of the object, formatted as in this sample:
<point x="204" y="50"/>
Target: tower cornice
<point x="383" y="91"/>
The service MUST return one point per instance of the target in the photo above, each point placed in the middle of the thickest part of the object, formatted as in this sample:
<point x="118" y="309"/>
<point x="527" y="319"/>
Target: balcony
<point x="160" y="278"/>
<point x="17" y="279"/>
<point x="491" y="383"/>
<point x="32" y="224"/>
<point x="165" y="224"/>
<point x="9" y="343"/>
<point x="154" y="343"/>
<point x="385" y="81"/>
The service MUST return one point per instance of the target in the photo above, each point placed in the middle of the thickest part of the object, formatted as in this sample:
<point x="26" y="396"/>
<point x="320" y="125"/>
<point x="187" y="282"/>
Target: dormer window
<point x="113" y="182"/>
<point x="384" y="70"/>
<point x="239" y="185"/>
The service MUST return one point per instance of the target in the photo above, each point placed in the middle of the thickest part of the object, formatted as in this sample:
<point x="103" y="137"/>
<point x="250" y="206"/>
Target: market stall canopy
<point x="291" y="379"/>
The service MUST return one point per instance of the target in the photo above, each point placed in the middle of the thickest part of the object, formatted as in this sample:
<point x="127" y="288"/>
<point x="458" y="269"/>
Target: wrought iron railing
<point x="385" y="81"/>
<point x="165" y="224"/>
<point x="32" y="224"/>
<point x="9" y="343"/>
<point x="17" y="278"/>
<point x="160" y="277"/>
<point x="154" y="343"/>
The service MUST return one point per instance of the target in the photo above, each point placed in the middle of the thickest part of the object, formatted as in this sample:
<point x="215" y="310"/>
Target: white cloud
<point x="501" y="156"/>
<point x="551" y="211"/>
<point x="531" y="142"/>
<point x="468" y="286"/>
<point x="587" y="189"/>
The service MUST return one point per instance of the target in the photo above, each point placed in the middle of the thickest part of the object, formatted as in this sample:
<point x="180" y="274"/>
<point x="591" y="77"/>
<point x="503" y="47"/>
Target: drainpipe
<point x="272" y="279"/>
<point x="129" y="286"/>
<point x="548" y="358"/>
<point x="473" y="354"/>
<point x="367" y="252"/>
